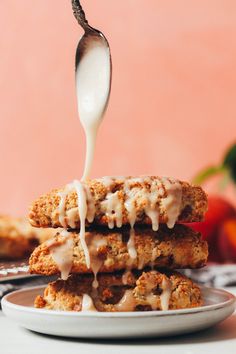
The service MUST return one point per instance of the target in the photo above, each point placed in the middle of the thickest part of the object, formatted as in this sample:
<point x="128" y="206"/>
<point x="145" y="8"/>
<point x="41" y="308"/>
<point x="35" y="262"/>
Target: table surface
<point x="220" y="339"/>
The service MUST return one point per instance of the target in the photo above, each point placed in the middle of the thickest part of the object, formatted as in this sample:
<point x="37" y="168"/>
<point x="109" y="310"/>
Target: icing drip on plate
<point x="87" y="304"/>
<point x="127" y="302"/>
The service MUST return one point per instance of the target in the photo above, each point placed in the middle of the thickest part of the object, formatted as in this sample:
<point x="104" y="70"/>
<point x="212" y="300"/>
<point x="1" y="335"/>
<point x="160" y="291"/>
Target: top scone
<point x="116" y="201"/>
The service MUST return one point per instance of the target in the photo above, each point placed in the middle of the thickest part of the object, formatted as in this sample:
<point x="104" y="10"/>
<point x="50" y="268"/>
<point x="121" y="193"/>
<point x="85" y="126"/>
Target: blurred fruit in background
<point x="227" y="240"/>
<point x="219" y="226"/>
<point x="219" y="212"/>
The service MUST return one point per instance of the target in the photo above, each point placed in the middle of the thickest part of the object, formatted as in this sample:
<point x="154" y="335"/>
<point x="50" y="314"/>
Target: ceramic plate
<point x="18" y="306"/>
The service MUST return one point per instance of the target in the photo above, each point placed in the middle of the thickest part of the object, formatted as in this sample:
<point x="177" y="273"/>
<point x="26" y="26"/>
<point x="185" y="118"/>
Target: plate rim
<point x="6" y="303"/>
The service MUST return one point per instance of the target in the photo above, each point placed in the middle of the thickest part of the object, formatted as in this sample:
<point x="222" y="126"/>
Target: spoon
<point x="93" y="70"/>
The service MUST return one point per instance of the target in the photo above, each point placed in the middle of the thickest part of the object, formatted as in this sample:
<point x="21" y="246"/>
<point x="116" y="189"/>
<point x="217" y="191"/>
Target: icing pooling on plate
<point x="127" y="302"/>
<point x="87" y="304"/>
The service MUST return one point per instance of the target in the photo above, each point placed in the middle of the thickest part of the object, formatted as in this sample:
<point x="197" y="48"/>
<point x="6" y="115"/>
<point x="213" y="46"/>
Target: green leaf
<point x="230" y="161"/>
<point x="207" y="173"/>
<point x="224" y="182"/>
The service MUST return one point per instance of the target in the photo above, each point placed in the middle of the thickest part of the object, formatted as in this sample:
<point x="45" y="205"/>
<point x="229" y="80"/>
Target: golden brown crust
<point x="44" y="212"/>
<point x="18" y="238"/>
<point x="146" y="289"/>
<point x="180" y="247"/>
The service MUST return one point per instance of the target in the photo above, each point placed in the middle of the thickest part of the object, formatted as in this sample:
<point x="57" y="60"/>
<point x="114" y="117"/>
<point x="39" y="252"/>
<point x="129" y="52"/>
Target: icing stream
<point x="82" y="209"/>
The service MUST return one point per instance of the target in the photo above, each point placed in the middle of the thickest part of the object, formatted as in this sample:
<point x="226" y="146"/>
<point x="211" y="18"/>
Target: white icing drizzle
<point x="113" y="209"/>
<point x="152" y="300"/>
<point x="86" y="210"/>
<point x="166" y="293"/>
<point x="87" y="304"/>
<point x="131" y="245"/>
<point x="127" y="302"/>
<point x="82" y="209"/>
<point x="90" y="204"/>
<point x="172" y="202"/>
<point x="63" y="254"/>
<point x="71" y="217"/>
<point x="131" y="215"/>
<point x="113" y="206"/>
<point x="107" y="181"/>
<point x="94" y="243"/>
<point x="126" y="276"/>
<point x="61" y="208"/>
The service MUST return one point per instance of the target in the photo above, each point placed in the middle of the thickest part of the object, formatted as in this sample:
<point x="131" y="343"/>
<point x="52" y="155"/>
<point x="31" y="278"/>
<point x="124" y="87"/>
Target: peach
<point x="219" y="210"/>
<point x="227" y="240"/>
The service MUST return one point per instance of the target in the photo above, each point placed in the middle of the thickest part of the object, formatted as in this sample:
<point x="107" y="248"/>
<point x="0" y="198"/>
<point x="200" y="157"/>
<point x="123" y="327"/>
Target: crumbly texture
<point x="146" y="289"/>
<point x="18" y="238"/>
<point x="180" y="247"/>
<point x="44" y="212"/>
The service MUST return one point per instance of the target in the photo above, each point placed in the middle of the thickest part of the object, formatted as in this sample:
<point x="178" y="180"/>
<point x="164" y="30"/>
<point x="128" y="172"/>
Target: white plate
<point x="18" y="306"/>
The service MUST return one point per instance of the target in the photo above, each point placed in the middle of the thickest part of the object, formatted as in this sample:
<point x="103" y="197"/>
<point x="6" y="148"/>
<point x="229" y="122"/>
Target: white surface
<point x="18" y="307"/>
<point x="16" y="340"/>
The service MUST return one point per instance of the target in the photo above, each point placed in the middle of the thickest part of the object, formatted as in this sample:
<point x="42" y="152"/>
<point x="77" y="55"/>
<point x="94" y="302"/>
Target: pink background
<point x="173" y="102"/>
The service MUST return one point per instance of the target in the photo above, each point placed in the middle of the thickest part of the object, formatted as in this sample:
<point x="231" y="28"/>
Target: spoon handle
<point x="80" y="15"/>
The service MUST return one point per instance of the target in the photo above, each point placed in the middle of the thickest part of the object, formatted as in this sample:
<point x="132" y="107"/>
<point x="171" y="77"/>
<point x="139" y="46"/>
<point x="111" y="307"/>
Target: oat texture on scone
<point x="180" y="247"/>
<point x="44" y="212"/>
<point x="145" y="290"/>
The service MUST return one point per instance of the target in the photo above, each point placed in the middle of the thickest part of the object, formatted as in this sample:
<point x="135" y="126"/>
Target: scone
<point x="18" y="238"/>
<point x="120" y="241"/>
<point x="173" y="200"/>
<point x="180" y="247"/>
<point x="117" y="292"/>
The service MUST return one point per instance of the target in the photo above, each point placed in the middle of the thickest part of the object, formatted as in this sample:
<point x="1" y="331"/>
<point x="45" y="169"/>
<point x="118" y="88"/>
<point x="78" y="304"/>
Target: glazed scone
<point x="180" y="247"/>
<point x="170" y="199"/>
<point x="18" y="238"/>
<point x="143" y="291"/>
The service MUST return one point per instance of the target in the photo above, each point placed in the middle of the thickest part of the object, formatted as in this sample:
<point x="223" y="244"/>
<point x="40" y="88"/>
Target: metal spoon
<point x="90" y="34"/>
<point x="93" y="101"/>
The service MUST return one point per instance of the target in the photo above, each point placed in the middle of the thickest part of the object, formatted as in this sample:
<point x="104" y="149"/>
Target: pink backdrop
<point x="173" y="102"/>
